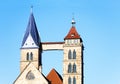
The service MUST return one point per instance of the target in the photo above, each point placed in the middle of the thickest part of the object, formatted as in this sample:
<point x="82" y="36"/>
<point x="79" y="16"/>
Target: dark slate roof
<point x="32" y="29"/>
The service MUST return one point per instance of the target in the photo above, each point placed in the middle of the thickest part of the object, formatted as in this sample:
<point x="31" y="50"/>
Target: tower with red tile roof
<point x="73" y="57"/>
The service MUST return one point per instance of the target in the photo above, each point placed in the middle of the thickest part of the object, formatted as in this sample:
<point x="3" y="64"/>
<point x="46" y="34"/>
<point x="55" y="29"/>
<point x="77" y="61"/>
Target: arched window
<point x="74" y="80"/>
<point x="31" y="56"/>
<point x="69" y="54"/>
<point x="69" y="68"/>
<point x="74" y="54"/>
<point x="74" y="68"/>
<point x="69" y="80"/>
<point x="27" y="56"/>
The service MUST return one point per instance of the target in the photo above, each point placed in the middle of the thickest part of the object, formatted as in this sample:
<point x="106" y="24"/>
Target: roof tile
<point x="72" y="34"/>
<point x="54" y="77"/>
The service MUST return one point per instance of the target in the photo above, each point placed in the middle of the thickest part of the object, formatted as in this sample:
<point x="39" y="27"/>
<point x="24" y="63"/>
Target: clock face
<point x="30" y="76"/>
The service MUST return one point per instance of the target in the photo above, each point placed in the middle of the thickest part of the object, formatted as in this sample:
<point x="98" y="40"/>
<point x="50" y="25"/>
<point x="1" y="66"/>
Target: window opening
<point x="31" y="56"/>
<point x="69" y="80"/>
<point x="69" y="54"/>
<point x="69" y="68"/>
<point x="27" y="57"/>
<point x="74" y="80"/>
<point x="74" y="54"/>
<point x="74" y="68"/>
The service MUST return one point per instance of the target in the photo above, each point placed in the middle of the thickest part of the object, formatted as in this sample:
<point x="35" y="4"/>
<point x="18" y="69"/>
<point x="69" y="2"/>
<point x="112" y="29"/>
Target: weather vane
<point x="31" y="8"/>
<point x="73" y="21"/>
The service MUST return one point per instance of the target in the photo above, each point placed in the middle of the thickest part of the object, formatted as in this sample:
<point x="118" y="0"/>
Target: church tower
<point x="30" y="62"/>
<point x="31" y="46"/>
<point x="73" y="57"/>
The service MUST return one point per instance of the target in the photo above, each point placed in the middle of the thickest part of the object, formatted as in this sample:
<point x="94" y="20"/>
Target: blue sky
<point x="97" y="21"/>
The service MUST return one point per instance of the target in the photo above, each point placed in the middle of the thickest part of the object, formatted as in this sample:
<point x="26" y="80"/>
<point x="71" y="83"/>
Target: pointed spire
<point x="31" y="31"/>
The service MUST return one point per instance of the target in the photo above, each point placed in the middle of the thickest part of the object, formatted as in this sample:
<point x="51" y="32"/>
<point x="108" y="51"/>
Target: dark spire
<point x="32" y="30"/>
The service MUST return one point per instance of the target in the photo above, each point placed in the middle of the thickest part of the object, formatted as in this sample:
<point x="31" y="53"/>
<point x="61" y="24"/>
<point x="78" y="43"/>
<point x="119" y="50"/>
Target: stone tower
<point x="73" y="57"/>
<point x="31" y="46"/>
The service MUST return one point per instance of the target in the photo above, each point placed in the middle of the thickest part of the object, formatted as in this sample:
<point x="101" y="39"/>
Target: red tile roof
<point x="72" y="34"/>
<point x="54" y="77"/>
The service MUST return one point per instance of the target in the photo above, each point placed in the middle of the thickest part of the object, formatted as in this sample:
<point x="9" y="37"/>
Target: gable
<point x="31" y="75"/>
<point x="54" y="77"/>
<point x="29" y="42"/>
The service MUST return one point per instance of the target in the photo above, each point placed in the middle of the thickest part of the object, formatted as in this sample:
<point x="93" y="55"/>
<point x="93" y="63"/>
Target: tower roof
<point x="32" y="30"/>
<point x="54" y="77"/>
<point x="73" y="34"/>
